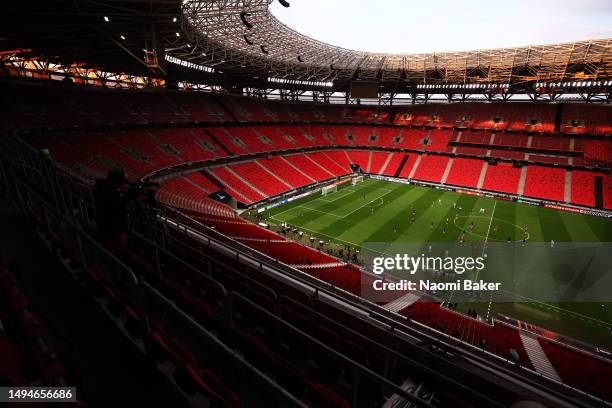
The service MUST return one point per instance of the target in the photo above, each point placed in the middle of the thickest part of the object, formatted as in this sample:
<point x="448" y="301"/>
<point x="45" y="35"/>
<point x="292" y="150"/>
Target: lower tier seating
<point x="503" y="178"/>
<point x="578" y="369"/>
<point x="334" y="161"/>
<point x="583" y="187"/>
<point x="393" y="165"/>
<point x="260" y="178"/>
<point x="545" y="182"/>
<point x="431" y="168"/>
<point x="283" y="170"/>
<point x="231" y="181"/>
<point x="309" y="167"/>
<point x="498" y="339"/>
<point x="378" y="161"/>
<point x="465" y="172"/>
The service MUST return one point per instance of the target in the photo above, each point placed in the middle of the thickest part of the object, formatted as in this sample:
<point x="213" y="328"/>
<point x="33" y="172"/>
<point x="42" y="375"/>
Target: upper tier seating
<point x="511" y="140"/>
<point x="550" y="143"/>
<point x="438" y="140"/>
<point x="594" y="119"/>
<point x="480" y="115"/>
<point x="112" y="154"/>
<point x="412" y="138"/>
<point x="360" y="136"/>
<point x="142" y="143"/>
<point x="28" y="106"/>
<point x="388" y="137"/>
<point x="467" y="137"/>
<point x="191" y="145"/>
<point x="472" y="151"/>
<point x="598" y="152"/>
<point x="508" y="154"/>
<point x="543" y="158"/>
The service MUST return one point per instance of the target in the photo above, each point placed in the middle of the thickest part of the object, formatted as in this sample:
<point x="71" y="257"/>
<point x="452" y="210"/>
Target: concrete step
<point x="538" y="357"/>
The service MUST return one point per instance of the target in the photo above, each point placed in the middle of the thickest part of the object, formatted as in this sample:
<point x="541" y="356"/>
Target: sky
<point x="414" y="26"/>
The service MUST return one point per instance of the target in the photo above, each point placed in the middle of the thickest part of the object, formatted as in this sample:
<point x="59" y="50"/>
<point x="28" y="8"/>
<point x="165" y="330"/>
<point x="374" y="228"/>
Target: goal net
<point x="329" y="189"/>
<point x="357" y="179"/>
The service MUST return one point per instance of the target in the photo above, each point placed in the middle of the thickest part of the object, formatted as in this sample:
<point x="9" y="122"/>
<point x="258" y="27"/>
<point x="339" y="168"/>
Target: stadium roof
<point x="247" y="35"/>
<point x="241" y="43"/>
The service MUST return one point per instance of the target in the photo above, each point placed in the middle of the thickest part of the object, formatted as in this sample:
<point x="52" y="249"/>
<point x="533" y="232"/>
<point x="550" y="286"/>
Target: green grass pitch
<point x="380" y="211"/>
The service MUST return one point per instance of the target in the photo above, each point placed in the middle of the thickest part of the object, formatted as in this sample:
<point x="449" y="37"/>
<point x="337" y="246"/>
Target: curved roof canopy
<point x="244" y="37"/>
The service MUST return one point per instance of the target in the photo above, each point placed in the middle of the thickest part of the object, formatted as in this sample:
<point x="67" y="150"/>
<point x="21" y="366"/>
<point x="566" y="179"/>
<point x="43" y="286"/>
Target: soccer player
<point x="395" y="228"/>
<point x="552" y="243"/>
<point x="432" y="225"/>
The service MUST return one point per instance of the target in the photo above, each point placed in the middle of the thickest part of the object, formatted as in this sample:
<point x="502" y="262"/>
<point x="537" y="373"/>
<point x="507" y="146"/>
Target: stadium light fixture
<point x="174" y="20"/>
<point x="123" y="37"/>
<point x="106" y="19"/>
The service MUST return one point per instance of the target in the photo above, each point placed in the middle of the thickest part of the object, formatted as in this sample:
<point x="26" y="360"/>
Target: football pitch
<point x="391" y="213"/>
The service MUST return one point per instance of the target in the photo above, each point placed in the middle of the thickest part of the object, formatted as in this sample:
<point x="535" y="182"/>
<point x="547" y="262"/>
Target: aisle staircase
<point x="538" y="357"/>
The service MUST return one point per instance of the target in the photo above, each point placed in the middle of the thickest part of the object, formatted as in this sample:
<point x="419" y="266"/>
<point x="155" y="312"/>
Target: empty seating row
<point x="498" y="339"/>
<point x="465" y="172"/>
<point x="545" y="182"/>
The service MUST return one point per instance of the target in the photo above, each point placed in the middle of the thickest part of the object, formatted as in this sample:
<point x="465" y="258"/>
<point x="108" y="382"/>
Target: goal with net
<point x="357" y="179"/>
<point x="329" y="189"/>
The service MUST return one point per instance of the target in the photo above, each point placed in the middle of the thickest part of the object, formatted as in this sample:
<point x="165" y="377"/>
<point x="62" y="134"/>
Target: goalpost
<point x="357" y="179"/>
<point x="329" y="189"/>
